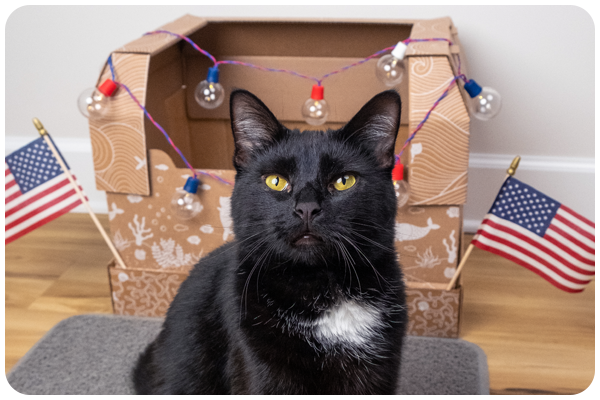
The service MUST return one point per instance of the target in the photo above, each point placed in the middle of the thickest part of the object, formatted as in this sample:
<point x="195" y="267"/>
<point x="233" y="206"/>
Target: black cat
<point x="309" y="297"/>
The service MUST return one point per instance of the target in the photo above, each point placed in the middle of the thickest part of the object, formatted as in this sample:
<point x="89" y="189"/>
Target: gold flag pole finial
<point x="40" y="127"/>
<point x="44" y="133"/>
<point x="513" y="166"/>
<point x="511" y="172"/>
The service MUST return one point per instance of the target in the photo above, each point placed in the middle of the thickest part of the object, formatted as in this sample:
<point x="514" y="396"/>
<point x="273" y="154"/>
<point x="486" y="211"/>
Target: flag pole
<point x="509" y="172"/>
<point x="110" y="244"/>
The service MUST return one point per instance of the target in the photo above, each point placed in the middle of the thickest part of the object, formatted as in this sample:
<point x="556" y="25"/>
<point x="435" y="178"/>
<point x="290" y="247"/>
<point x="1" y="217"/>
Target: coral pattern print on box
<point x="143" y="293"/>
<point x="153" y="237"/>
<point x="433" y="312"/>
<point x="428" y="243"/>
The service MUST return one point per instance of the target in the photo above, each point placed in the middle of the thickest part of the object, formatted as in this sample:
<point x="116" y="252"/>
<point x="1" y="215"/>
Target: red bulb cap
<point x="398" y="172"/>
<point x="108" y="87"/>
<point x="317" y="92"/>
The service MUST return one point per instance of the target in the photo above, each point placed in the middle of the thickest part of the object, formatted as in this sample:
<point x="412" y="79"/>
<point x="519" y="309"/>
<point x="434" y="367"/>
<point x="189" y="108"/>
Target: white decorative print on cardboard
<point x="181" y="228"/>
<point x="415" y="149"/>
<point x="193" y="239"/>
<point x="120" y="242"/>
<point x="198" y="207"/>
<point x="451" y="249"/>
<point x="204" y="186"/>
<point x="139" y="230"/>
<point x="453" y="212"/>
<point x="427" y="259"/>
<point x="134" y="198"/>
<point x="140" y="254"/>
<point x="140" y="162"/>
<point x="123" y="277"/>
<point x="405" y="232"/>
<point x="225" y="214"/>
<point x="161" y="167"/>
<point x="114" y="211"/>
<point x="169" y="254"/>
<point x="432" y="313"/>
<point x="207" y="229"/>
<point x="449" y="272"/>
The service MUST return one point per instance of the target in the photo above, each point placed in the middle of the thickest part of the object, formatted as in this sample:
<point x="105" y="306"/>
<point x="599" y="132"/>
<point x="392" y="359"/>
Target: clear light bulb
<point x="390" y="68"/>
<point x="210" y="93"/>
<point x="485" y="102"/>
<point x="401" y="187"/>
<point x="185" y="203"/>
<point x="94" y="103"/>
<point x="315" y="110"/>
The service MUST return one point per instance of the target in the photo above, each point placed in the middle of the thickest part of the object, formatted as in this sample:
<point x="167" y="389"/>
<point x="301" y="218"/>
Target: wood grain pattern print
<point x="439" y="154"/>
<point x="119" y="141"/>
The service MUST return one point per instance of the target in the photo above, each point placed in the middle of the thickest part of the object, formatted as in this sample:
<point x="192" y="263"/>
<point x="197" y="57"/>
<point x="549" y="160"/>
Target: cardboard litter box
<point x="139" y="171"/>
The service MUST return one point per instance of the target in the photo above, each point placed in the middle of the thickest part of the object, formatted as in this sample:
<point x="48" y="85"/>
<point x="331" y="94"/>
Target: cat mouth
<point x="307" y="239"/>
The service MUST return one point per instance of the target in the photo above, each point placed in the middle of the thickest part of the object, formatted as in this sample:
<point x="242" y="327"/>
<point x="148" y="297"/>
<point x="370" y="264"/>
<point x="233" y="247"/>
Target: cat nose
<point x="307" y="211"/>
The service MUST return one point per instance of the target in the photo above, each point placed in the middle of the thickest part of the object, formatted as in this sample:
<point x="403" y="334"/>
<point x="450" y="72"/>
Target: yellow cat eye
<point x="344" y="182"/>
<point x="276" y="182"/>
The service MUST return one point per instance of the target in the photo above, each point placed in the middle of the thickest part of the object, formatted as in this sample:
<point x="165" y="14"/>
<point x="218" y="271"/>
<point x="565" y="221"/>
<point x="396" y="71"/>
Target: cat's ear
<point x="375" y="127"/>
<point x="254" y="126"/>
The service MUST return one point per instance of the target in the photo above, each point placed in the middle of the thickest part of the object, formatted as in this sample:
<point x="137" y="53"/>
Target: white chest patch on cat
<point x="348" y="322"/>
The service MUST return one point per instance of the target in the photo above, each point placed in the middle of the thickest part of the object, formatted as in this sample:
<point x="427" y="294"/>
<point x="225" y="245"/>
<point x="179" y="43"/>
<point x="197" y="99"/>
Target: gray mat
<point x="94" y="354"/>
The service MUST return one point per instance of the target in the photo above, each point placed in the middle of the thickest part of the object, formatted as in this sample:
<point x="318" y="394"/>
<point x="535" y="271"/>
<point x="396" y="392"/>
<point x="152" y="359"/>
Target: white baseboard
<point x="569" y="180"/>
<point x="533" y="163"/>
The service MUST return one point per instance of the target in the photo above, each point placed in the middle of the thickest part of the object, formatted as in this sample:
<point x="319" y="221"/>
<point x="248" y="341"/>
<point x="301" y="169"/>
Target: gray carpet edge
<point x="430" y="365"/>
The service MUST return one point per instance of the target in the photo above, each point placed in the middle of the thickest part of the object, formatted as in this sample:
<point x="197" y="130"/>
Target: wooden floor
<point x="537" y="338"/>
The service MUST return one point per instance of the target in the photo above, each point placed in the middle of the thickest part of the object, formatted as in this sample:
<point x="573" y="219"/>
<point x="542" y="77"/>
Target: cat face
<point x="314" y="197"/>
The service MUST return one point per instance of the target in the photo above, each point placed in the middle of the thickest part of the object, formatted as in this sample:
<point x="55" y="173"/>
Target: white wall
<point x="540" y="58"/>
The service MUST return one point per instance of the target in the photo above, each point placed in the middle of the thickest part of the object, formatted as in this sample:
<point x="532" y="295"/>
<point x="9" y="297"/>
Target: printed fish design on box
<point x="406" y="232"/>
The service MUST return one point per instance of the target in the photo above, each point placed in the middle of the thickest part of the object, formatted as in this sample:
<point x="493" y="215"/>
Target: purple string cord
<point x="160" y="128"/>
<point x="418" y="128"/>
<point x="287" y="71"/>
<point x="364" y="60"/>
<point x="319" y="81"/>
<point x="187" y="39"/>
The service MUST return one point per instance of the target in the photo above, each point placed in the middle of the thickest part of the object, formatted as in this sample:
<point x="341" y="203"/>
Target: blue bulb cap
<point x="213" y="75"/>
<point x="191" y="185"/>
<point x="472" y="88"/>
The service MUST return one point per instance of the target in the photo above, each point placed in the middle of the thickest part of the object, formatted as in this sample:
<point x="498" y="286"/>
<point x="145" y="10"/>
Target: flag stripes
<point x="509" y="254"/>
<point x="39" y="222"/>
<point x="536" y="249"/>
<point x="38" y="206"/>
<point x="540" y="234"/>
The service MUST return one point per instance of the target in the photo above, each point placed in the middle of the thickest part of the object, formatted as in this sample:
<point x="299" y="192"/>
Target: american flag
<point x="36" y="190"/>
<point x="540" y="234"/>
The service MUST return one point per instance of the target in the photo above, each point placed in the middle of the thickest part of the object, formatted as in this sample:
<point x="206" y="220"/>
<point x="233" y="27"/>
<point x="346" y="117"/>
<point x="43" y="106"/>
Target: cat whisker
<point x="212" y="255"/>
<point x="360" y="252"/>
<point x="371" y="223"/>
<point x="268" y="253"/>
<point x="379" y="245"/>
<point x="352" y="262"/>
<point x="243" y="296"/>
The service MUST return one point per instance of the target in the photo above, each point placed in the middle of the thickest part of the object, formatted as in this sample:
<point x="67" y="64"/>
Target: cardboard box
<point x="429" y="242"/>
<point x="139" y="170"/>
<point x="433" y="311"/>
